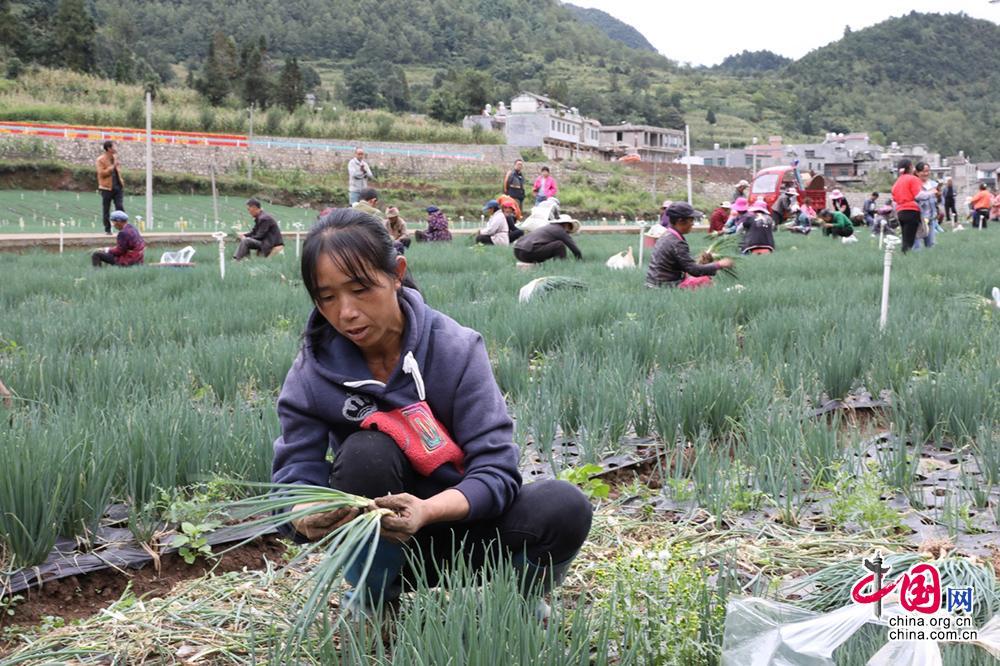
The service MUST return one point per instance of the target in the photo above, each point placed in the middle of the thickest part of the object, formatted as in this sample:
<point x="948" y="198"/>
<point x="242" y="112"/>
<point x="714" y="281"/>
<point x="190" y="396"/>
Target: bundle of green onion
<point x="719" y="248"/>
<point x="340" y="548"/>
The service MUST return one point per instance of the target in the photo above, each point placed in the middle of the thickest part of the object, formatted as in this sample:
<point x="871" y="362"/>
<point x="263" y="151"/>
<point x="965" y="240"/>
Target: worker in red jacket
<point x="130" y="249"/>
<point x="717" y="221"/>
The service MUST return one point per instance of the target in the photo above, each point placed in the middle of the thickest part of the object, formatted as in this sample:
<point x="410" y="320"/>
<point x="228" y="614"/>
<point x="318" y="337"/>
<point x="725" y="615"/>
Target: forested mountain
<point x="922" y="77"/>
<point x="929" y="78"/>
<point x="753" y="61"/>
<point x="612" y="27"/>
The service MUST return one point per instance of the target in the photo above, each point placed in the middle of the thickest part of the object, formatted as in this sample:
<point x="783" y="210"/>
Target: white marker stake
<point x="641" y="243"/>
<point x="149" y="160"/>
<point x="890" y="245"/>
<point x="298" y="239"/>
<point x="221" y="237"/>
<point x="61" y="226"/>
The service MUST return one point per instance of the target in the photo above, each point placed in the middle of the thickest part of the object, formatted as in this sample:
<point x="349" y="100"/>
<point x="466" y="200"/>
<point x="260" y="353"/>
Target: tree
<point x="361" y="89"/>
<point x="291" y="90"/>
<point x="710" y="117"/>
<point x="73" y="30"/>
<point x="221" y="70"/>
<point x="256" y="88"/>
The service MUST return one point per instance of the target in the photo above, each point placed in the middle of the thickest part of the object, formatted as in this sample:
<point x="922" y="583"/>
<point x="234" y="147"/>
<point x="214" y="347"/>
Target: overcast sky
<point x="704" y="32"/>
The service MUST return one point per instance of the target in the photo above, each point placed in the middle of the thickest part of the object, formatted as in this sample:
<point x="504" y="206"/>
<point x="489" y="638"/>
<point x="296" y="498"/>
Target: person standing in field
<point x="264" y="236"/>
<point x="513" y="184"/>
<point x="110" y="183"/>
<point x="742" y="190"/>
<point x="130" y="248"/>
<point x="358" y="175"/>
<point x="904" y="196"/>
<point x="545" y="186"/>
<point x="950" y="211"/>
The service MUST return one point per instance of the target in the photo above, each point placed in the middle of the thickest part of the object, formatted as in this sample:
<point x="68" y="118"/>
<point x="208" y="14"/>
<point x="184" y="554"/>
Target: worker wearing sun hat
<point x="785" y="205"/>
<point x="664" y="220"/>
<point x="758" y="231"/>
<point x="838" y="202"/>
<point x="717" y="221"/>
<point x="742" y="190"/>
<point x="495" y="232"/>
<point x="672" y="264"/>
<point x="740" y="210"/>
<point x="130" y="248"/>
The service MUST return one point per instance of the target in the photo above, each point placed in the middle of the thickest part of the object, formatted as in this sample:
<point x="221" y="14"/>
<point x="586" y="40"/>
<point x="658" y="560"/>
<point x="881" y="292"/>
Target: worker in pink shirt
<point x="545" y="186"/>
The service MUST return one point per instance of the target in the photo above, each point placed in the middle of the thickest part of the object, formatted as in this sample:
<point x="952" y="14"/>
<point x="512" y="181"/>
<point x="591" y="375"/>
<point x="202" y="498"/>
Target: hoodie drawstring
<point x="411" y="368"/>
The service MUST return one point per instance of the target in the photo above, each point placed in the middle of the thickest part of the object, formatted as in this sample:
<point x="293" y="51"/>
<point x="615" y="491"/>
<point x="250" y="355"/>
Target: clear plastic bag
<point x="759" y="632"/>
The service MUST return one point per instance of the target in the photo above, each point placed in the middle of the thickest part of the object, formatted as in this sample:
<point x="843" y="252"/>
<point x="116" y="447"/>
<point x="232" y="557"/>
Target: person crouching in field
<point x="437" y="227"/>
<point x="495" y="232"/>
<point x="836" y="223"/>
<point x="758" y="231"/>
<point x="129" y="251"/>
<point x="672" y="265"/>
<point x="548" y="242"/>
<point x="404" y="399"/>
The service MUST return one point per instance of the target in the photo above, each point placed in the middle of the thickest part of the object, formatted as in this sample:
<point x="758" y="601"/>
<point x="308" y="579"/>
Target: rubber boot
<point x="540" y="579"/>
<point x="382" y="585"/>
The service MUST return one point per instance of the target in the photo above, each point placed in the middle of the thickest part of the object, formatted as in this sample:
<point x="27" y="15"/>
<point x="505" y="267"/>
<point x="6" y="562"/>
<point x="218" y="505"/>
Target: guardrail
<point x="125" y="134"/>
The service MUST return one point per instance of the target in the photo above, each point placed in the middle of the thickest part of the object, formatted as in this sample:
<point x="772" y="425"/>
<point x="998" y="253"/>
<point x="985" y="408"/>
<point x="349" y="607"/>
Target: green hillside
<point x="919" y="78"/>
<point x="612" y="27"/>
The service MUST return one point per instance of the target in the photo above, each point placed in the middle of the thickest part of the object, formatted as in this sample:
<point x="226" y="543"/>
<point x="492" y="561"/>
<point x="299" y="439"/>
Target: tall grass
<point x="61" y="96"/>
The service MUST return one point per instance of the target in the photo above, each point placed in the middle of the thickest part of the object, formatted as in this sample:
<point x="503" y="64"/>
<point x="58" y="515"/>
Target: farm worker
<point x="264" y="236"/>
<point x="513" y="183"/>
<point x="717" y="221"/>
<point x="404" y="399"/>
<point x="995" y="208"/>
<point x="981" y="203"/>
<point x="758" y="231"/>
<point x="510" y="211"/>
<point x="672" y="265"/>
<point x="358" y="173"/>
<point x="549" y="242"/>
<point x="836" y="223"/>
<point x="397" y="228"/>
<point x="803" y="219"/>
<point x="495" y="231"/>
<point x="368" y="203"/>
<point x="740" y="210"/>
<point x="545" y="186"/>
<point x="130" y="248"/>
<point x="664" y="218"/>
<point x="109" y="182"/>
<point x="784" y="205"/>
<point x="839" y="202"/>
<point x="869" y="208"/>
<point x="742" y="191"/>
<point x="904" y="196"/>
<point x="950" y="212"/>
<point x="437" y="227"/>
<point x="927" y="200"/>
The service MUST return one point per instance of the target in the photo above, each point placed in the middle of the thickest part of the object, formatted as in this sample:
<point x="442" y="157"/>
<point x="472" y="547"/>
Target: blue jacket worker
<point x="405" y="400"/>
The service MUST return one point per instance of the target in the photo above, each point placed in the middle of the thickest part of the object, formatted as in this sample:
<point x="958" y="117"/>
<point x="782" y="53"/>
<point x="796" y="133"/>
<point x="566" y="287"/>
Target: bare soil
<point x="78" y="597"/>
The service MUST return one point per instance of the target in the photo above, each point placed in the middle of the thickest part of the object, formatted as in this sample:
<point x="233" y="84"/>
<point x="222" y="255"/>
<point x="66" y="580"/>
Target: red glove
<point x="424" y="441"/>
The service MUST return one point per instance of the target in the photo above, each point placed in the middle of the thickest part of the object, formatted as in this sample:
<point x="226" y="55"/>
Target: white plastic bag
<point x="621" y="261"/>
<point x="180" y="257"/>
<point x="759" y="632"/>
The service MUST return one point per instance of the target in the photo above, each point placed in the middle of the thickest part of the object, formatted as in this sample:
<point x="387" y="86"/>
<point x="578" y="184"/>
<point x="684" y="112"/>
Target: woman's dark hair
<point x="546" y="169"/>
<point x="920" y="166"/>
<point x="358" y="244"/>
<point x="904" y="165"/>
